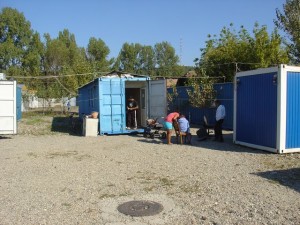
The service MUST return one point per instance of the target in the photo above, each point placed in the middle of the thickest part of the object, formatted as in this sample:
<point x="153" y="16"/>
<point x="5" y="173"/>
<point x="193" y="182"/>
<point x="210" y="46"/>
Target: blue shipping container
<point x="108" y="94"/>
<point x="266" y="109"/>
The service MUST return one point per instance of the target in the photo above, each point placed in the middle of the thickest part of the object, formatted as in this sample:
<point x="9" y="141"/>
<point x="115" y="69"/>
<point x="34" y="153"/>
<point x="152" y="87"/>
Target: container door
<point x="8" y="115"/>
<point x="157" y="98"/>
<point x="292" y="111"/>
<point x="143" y="100"/>
<point x="256" y="110"/>
<point x="112" y="108"/>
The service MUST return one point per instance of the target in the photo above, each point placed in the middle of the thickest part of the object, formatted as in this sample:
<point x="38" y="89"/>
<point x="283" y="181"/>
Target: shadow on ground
<point x="289" y="177"/>
<point x="70" y="125"/>
<point x="227" y="145"/>
<point x="208" y="143"/>
<point x="4" y="137"/>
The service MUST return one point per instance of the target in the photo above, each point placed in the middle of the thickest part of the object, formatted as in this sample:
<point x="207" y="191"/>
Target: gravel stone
<point x="65" y="179"/>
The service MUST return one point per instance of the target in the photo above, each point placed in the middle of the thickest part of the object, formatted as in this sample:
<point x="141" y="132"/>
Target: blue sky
<point x="185" y="24"/>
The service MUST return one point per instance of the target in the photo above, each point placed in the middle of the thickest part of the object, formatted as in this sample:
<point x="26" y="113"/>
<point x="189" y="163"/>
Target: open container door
<point x="112" y="106"/>
<point x="157" y="99"/>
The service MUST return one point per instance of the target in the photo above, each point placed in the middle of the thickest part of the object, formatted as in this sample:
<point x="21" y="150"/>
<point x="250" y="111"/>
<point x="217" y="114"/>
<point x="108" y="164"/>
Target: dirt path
<point x="63" y="179"/>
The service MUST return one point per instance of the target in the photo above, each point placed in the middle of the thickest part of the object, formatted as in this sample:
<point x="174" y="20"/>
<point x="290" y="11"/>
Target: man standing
<point x="132" y="107"/>
<point x="220" y="115"/>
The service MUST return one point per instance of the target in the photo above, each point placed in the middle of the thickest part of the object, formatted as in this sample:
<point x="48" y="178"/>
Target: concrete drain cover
<point x="140" y="208"/>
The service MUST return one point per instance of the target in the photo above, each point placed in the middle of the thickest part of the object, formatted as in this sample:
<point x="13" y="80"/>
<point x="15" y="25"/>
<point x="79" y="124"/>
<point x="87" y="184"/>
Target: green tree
<point x="62" y="59"/>
<point x="128" y="59"/>
<point x="159" y="60"/>
<point x="56" y="56"/>
<point x="82" y="66"/>
<point x="166" y="60"/>
<point x="98" y="55"/>
<point x="289" y="22"/>
<point x="21" y="50"/>
<point x="232" y="51"/>
<point x="146" y="61"/>
<point x="202" y="92"/>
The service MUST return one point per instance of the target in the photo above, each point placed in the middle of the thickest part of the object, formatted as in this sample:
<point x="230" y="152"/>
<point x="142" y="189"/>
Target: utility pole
<point x="180" y="51"/>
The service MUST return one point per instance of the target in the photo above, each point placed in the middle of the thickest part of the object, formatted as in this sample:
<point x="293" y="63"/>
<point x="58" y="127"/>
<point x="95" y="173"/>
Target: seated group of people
<point x="183" y="125"/>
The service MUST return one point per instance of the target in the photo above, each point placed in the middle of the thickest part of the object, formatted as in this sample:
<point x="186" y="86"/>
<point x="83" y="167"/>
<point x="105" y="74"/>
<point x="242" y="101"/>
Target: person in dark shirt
<point x="132" y="107"/>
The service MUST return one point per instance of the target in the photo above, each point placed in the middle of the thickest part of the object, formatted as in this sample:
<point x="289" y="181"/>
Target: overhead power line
<point x="210" y="64"/>
<point x="70" y="92"/>
<point x="55" y="76"/>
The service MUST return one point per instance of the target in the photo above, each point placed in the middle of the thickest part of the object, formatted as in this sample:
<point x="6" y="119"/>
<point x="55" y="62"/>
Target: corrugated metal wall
<point x="256" y="112"/>
<point x="112" y="106"/>
<point x="88" y="98"/>
<point x="195" y="115"/>
<point x="293" y="110"/>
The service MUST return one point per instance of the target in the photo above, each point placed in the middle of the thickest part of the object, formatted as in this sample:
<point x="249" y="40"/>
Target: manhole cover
<point x="140" y="208"/>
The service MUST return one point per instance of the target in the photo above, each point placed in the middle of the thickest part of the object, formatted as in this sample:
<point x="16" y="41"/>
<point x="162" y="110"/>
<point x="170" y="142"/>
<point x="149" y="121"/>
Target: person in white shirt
<point x="220" y="115"/>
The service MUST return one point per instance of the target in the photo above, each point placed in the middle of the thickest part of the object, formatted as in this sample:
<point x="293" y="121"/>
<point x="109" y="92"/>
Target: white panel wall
<point x="8" y="108"/>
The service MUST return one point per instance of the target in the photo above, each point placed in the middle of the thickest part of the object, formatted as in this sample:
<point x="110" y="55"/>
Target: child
<point x="184" y="126"/>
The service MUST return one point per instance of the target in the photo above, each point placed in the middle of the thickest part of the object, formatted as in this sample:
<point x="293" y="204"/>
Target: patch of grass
<point x="82" y="157"/>
<point x="125" y="194"/>
<point x="145" y="182"/>
<point x="191" y="188"/>
<point x="107" y="196"/>
<point x="166" y="181"/>
<point x="31" y="154"/>
<point x="61" y="154"/>
<point x="66" y="204"/>
<point x="34" y="120"/>
<point x="149" y="189"/>
<point x="89" y="210"/>
<point x="48" y="123"/>
<point x="281" y="162"/>
<point x="152" y="178"/>
<point x="65" y="189"/>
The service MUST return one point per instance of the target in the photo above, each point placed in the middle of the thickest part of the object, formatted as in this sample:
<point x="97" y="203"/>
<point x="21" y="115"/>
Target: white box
<point x="90" y="127"/>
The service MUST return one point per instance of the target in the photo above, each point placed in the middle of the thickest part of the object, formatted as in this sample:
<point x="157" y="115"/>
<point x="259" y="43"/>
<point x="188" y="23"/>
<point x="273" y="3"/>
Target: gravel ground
<point x="64" y="179"/>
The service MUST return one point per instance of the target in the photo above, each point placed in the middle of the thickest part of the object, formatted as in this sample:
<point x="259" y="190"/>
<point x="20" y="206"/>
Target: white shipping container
<point x="8" y="109"/>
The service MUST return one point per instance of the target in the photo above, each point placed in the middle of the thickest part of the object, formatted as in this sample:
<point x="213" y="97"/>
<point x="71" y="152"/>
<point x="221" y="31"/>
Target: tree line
<point x="23" y="53"/>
